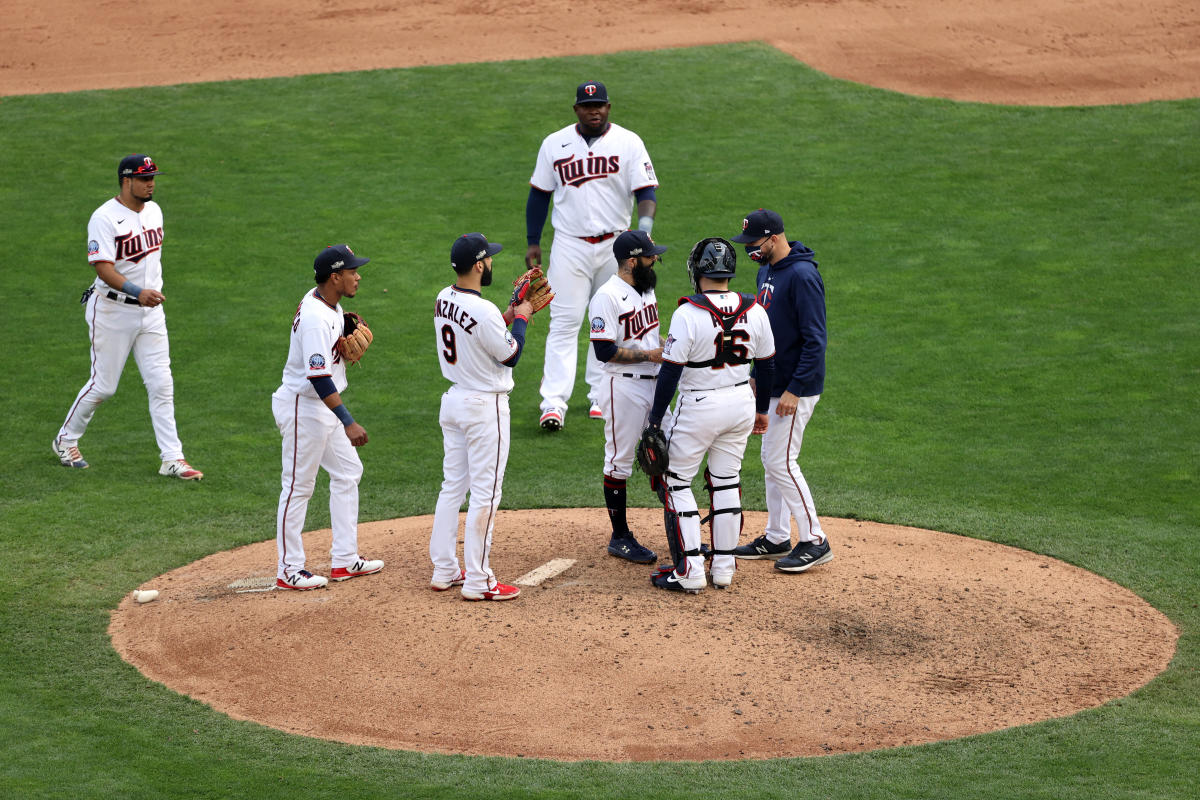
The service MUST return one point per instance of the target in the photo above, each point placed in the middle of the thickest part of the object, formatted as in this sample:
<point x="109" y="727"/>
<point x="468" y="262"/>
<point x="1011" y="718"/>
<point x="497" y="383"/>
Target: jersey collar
<point x="458" y="288"/>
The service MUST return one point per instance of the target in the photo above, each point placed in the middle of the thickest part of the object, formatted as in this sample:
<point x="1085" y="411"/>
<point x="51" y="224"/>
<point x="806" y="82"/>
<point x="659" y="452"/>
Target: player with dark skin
<point x="342" y="283"/>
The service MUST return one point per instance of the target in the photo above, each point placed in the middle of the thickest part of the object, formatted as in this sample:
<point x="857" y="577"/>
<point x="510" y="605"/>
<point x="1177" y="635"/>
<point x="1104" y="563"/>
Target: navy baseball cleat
<point x="762" y="547"/>
<point x="667" y="578"/>
<point x="628" y="548"/>
<point x="805" y="556"/>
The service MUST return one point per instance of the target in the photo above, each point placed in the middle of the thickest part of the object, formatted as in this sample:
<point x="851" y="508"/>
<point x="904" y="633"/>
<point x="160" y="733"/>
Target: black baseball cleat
<point x="762" y="547"/>
<point x="627" y="547"/>
<point x="667" y="578"/>
<point x="806" y="555"/>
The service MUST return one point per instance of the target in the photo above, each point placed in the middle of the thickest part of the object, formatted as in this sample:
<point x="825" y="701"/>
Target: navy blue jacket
<point x="793" y="295"/>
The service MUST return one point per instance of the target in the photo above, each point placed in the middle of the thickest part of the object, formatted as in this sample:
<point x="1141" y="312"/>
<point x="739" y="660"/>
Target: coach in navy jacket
<point x="792" y="292"/>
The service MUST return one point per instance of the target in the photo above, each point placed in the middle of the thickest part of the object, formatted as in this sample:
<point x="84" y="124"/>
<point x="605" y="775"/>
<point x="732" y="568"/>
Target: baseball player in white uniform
<point x="124" y="314"/>
<point x="318" y="431"/>
<point x="714" y="336"/>
<point x="477" y="353"/>
<point x="596" y="171"/>
<point x="625" y="338"/>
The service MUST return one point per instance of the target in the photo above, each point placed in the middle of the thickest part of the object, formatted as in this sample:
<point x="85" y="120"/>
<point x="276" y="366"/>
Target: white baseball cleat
<point x="181" y="469"/>
<point x="363" y="566"/>
<point x="552" y="420"/>
<point x="441" y="586"/>
<point x="302" y="581"/>
<point x="595" y="412"/>
<point x="69" y="456"/>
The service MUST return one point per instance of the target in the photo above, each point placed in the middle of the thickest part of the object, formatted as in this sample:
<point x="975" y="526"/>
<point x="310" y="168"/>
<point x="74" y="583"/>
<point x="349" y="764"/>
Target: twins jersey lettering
<point x="312" y="354"/>
<point x="473" y="341"/>
<point x="620" y="315"/>
<point x="694" y="335"/>
<point x="593" y="185"/>
<point x="130" y="240"/>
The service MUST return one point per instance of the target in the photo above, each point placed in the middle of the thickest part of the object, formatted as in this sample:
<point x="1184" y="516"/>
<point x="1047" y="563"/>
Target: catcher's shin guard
<point x="725" y="517"/>
<point x="682" y="506"/>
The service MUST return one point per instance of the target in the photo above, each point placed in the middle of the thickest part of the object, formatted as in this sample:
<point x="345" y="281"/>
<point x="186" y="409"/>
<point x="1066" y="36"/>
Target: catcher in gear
<point x="355" y="339"/>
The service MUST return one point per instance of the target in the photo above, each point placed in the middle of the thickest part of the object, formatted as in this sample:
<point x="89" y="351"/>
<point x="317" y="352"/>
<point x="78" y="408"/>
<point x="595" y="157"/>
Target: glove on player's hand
<point x="533" y="288"/>
<point x="652" y="451"/>
<point x="355" y="339"/>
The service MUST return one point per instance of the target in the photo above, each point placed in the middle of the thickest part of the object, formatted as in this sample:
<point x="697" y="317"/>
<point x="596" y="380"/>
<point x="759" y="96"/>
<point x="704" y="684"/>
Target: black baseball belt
<point x="641" y="375"/>
<point x="133" y="301"/>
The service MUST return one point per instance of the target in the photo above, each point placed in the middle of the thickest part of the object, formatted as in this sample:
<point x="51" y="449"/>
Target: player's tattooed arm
<point x="627" y="355"/>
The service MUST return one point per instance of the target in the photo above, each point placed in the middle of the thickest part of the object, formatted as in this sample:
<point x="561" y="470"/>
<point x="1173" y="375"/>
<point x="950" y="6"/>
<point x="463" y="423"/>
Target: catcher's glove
<point x="652" y="451"/>
<point x="533" y="287"/>
<point x="355" y="339"/>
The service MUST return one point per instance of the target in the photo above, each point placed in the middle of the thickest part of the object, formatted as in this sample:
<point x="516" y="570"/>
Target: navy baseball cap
<point x="336" y="257"/>
<point x="636" y="243"/>
<point x="591" y="92"/>
<point x="759" y="224"/>
<point x="469" y="248"/>
<point x="137" y="165"/>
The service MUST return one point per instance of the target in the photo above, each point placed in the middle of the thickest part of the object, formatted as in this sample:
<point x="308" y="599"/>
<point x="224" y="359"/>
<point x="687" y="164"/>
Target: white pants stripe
<point x="788" y="495"/>
<point x="313" y="438"/>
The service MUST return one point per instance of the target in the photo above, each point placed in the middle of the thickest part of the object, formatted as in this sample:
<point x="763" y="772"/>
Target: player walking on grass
<point x="792" y="292"/>
<point x="124" y="314"/>
<point x="596" y="171"/>
<point x="477" y="353"/>
<point x="318" y="431"/>
<point x="714" y="336"/>
<point x="624" y="323"/>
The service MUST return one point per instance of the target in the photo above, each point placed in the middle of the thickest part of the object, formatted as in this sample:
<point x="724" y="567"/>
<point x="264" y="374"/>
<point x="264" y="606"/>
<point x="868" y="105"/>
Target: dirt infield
<point x="1044" y="52"/>
<point x="908" y="636"/>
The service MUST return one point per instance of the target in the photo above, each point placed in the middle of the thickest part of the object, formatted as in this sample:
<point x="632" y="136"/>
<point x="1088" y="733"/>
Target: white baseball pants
<point x="577" y="270"/>
<point x="314" y="438"/>
<point x="716" y="422"/>
<point x="788" y="495"/>
<point x="626" y="404"/>
<point x="116" y="329"/>
<point x="475" y="440"/>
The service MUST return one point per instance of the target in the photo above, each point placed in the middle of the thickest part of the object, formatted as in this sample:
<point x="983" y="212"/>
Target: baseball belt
<point x="133" y="301"/>
<point x="638" y="375"/>
<point x="716" y="388"/>
<point x="604" y="237"/>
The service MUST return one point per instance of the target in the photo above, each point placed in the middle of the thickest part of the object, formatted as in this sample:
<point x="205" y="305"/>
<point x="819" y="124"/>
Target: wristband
<point x="645" y="223"/>
<point x="521" y="317"/>
<point x="130" y="288"/>
<point x="342" y="414"/>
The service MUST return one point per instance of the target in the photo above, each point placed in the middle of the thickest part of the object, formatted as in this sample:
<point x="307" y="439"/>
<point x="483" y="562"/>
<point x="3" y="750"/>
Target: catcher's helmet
<point x="713" y="257"/>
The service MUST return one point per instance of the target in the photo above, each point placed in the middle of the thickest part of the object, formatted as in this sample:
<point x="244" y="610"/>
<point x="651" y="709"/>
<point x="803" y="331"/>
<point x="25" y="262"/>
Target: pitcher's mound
<point x="907" y="636"/>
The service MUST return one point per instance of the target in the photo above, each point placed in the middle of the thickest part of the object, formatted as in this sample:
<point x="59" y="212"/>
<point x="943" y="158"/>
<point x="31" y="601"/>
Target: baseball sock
<point x="614" y="499"/>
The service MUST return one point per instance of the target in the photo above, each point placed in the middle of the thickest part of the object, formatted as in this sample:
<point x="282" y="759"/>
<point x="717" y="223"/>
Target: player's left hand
<point x="357" y="434"/>
<point x="760" y="424"/>
<point x="150" y="298"/>
<point x="787" y="404"/>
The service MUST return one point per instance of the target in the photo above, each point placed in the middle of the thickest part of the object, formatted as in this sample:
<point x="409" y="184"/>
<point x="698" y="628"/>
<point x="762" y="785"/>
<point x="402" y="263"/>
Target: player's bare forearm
<point x="627" y="355"/>
<point x="647" y="208"/>
<point x="108" y="273"/>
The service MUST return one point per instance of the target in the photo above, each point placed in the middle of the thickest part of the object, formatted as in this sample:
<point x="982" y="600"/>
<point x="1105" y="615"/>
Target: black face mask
<point x="486" y="278"/>
<point x="644" y="278"/>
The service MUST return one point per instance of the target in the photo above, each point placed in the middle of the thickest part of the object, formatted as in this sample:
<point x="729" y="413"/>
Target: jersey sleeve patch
<point x="316" y="361"/>
<point x="667" y="345"/>
<point x="597" y="324"/>
<point x="93" y="247"/>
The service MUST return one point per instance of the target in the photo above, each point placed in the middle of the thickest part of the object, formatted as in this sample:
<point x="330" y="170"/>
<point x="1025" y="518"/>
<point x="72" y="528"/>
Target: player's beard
<point x="644" y="279"/>
<point x="486" y="278"/>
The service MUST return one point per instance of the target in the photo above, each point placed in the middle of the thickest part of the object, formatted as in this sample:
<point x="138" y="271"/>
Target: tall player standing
<point x="597" y="172"/>
<point x="317" y="429"/>
<point x="124" y="314"/>
<point x="714" y="335"/>
<point x="791" y="290"/>
<point x="624" y="323"/>
<point x="477" y="353"/>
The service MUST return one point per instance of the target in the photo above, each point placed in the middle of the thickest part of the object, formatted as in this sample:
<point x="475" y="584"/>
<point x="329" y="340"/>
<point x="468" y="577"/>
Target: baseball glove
<point x="652" y="451"/>
<point x="532" y="286"/>
<point x="355" y="339"/>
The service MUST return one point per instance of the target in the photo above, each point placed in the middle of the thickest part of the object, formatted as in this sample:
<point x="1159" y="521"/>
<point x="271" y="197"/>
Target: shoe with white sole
<point x="805" y="556"/>
<point x="667" y="578"/>
<point x="595" y="412"/>
<point x="762" y="547"/>
<point x="721" y="581"/>
<point x="180" y="469"/>
<point x="441" y="586"/>
<point x="302" y="581"/>
<point x="501" y="591"/>
<point x="364" y="566"/>
<point x="552" y="420"/>
<point x="69" y="456"/>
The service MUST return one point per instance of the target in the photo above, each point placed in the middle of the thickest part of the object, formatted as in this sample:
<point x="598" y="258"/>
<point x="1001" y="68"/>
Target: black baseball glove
<point x="652" y="451"/>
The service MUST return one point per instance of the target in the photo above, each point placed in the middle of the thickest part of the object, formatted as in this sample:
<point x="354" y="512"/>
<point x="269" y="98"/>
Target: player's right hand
<point x="356" y="434"/>
<point x="760" y="424"/>
<point x="150" y="298"/>
<point x="533" y="256"/>
<point x="654" y="356"/>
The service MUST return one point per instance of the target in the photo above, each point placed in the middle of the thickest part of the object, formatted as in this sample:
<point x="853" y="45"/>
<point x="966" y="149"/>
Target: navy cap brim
<point x="746" y="238"/>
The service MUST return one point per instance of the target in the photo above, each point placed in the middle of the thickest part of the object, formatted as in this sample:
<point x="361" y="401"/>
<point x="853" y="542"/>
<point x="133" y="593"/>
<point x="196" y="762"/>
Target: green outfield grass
<point x="1014" y="353"/>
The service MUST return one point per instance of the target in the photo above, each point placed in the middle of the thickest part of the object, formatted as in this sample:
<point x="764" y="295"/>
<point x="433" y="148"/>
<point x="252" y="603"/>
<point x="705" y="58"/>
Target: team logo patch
<point x="667" y="345"/>
<point x="316" y="361"/>
<point x="508" y="338"/>
<point x="650" y="171"/>
<point x="597" y="324"/>
<point x="745" y="224"/>
<point x="93" y="247"/>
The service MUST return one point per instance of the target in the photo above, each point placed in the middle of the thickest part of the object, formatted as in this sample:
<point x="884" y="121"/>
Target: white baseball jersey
<point x="131" y="240"/>
<point x="627" y="319"/>
<point x="473" y="341"/>
<point x="312" y="354"/>
<point x="694" y="336"/>
<point x="593" y="185"/>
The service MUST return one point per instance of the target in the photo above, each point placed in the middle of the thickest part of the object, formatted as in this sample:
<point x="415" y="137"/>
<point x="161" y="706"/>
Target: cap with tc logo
<point x="591" y="92"/>
<point x="137" y="165"/>
<point x="759" y="225"/>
